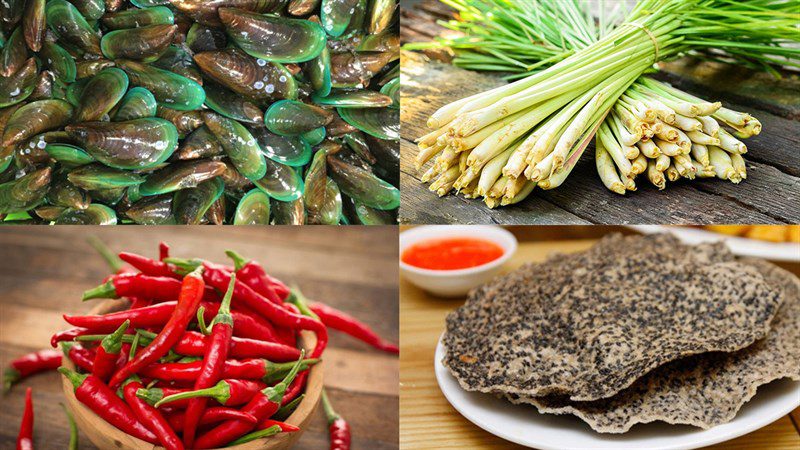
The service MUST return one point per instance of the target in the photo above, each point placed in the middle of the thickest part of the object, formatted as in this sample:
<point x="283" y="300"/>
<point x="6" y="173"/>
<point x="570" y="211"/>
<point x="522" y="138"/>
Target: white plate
<point x="524" y="425"/>
<point x="775" y="251"/>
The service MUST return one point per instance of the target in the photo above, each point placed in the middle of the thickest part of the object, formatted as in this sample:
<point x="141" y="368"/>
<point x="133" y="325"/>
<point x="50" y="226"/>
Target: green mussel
<point x="253" y="209"/>
<point x="134" y="144"/>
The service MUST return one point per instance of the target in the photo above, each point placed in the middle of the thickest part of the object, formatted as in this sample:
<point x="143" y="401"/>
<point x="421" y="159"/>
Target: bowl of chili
<point x="448" y="261"/>
<point x="105" y="435"/>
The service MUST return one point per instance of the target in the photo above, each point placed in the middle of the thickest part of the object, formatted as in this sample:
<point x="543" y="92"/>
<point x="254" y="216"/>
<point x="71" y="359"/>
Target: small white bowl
<point x="455" y="283"/>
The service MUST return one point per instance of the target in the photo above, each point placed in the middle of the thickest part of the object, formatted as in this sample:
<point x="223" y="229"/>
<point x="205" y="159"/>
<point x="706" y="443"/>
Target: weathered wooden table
<point x="44" y="270"/>
<point x="427" y="420"/>
<point x="771" y="193"/>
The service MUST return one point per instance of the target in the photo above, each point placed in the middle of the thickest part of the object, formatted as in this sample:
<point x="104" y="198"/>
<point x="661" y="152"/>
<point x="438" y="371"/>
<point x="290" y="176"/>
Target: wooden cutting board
<point x="428" y="421"/>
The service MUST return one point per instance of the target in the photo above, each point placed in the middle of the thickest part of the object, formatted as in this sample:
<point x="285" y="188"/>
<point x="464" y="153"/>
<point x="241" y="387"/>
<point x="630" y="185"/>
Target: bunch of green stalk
<point x="503" y="143"/>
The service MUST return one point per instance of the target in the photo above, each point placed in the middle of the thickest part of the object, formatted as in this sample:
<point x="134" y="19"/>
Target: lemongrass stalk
<point x="639" y="164"/>
<point x="647" y="132"/>
<point x="606" y="170"/>
<point x="462" y="160"/>
<point x="648" y="148"/>
<point x="623" y="134"/>
<point x="730" y="143"/>
<point x="662" y="162"/>
<point x="430" y="138"/>
<point x="710" y="126"/>
<point x="665" y="132"/>
<point x="540" y="169"/>
<point x="493" y="170"/>
<point x="446" y="159"/>
<point x="630" y="152"/>
<point x="467" y="177"/>
<point x="733" y="118"/>
<point x="444" y="183"/>
<point x="630" y="184"/>
<point x="667" y="148"/>
<point x="684" y="165"/>
<point x="516" y="163"/>
<point x="497" y="189"/>
<point x="663" y="112"/>
<point x="683" y="142"/>
<point x="672" y="173"/>
<point x="702" y="107"/>
<point x="475" y="139"/>
<point x="688" y="123"/>
<point x="614" y="150"/>
<point x="738" y="165"/>
<point x="521" y="195"/>
<point x="470" y="191"/>
<point x="425" y="155"/>
<point x="576" y="129"/>
<point x="655" y="176"/>
<point x="703" y="171"/>
<point x="681" y="107"/>
<point x="702" y="138"/>
<point x="721" y="161"/>
<point x="513" y="187"/>
<point x="429" y="174"/>
<point x="700" y="153"/>
<point x="630" y="121"/>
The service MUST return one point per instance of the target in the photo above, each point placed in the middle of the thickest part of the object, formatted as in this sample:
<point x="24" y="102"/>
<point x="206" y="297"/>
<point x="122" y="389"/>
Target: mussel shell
<point x="318" y="72"/>
<point x="180" y="175"/>
<point x="6" y="157"/>
<point x="92" y="10"/>
<point x="114" y="5"/>
<point x="149" y="3"/>
<point x="273" y="38"/>
<point x="288" y="213"/>
<point x="156" y="210"/>
<point x="385" y="41"/>
<point x="387" y="154"/>
<point x="289" y="150"/>
<point x="281" y="182"/>
<point x="201" y="38"/>
<point x="75" y="91"/>
<point x="137" y="103"/>
<point x="170" y="89"/>
<point x="315" y="136"/>
<point x="11" y="13"/>
<point x="112" y="83"/>
<point x="14" y="54"/>
<point x="261" y="81"/>
<point x="48" y="212"/>
<point x="362" y="185"/>
<point x="358" y="144"/>
<point x="63" y="193"/>
<point x="134" y="144"/>
<point x="25" y="192"/>
<point x="190" y="205"/>
<point x="354" y="99"/>
<point x="381" y="15"/>
<point x="240" y="146"/>
<point x="216" y="212"/>
<point x="302" y="7"/>
<point x="200" y="143"/>
<point x="360" y="214"/>
<point x="234" y="181"/>
<point x="205" y="11"/>
<point x="30" y="154"/>
<point x="90" y="68"/>
<point x="231" y="104"/>
<point x="392" y="89"/>
<point x="95" y="214"/>
<point x="59" y="61"/>
<point x="336" y="14"/>
<point x="383" y="123"/>
<point x="178" y="60"/>
<point x="44" y="86"/>
<point x="357" y="19"/>
<point x="350" y="70"/>
<point x="145" y="43"/>
<point x="97" y="176"/>
<point x="68" y="155"/>
<point x="322" y="197"/>
<point x="338" y="127"/>
<point x="253" y="209"/>
<point x="18" y="86"/>
<point x="71" y="28"/>
<point x="389" y="75"/>
<point x="132" y="18"/>
<point x="36" y="117"/>
<point x="33" y="24"/>
<point x="110" y="196"/>
<point x="184" y="121"/>
<point x="292" y="118"/>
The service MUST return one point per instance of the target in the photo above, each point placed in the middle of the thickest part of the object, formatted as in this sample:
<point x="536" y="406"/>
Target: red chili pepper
<point x="155" y="394"/>
<point x="285" y="427"/>
<point x="92" y="392"/>
<point x="193" y="344"/>
<point x="148" y="266"/>
<point x="151" y="417"/>
<point x="228" y="392"/>
<point x="163" y="251"/>
<point x="219" y="278"/>
<point x="245" y="324"/>
<point x="107" y="354"/>
<point x="341" y="321"/>
<point x="157" y="289"/>
<point x="246" y="369"/>
<point x="25" y="437"/>
<point x="253" y="274"/>
<point x="211" y="415"/>
<point x="216" y="352"/>
<point x="338" y="428"/>
<point x="191" y="293"/>
<point x="29" y="364"/>
<point x="83" y="358"/>
<point x="138" y="302"/>
<point x="262" y="406"/>
<point x="68" y="335"/>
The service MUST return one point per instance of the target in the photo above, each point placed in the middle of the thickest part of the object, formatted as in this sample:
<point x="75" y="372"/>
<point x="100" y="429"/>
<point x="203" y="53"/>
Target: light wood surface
<point x="426" y="418"/>
<point x="43" y="271"/>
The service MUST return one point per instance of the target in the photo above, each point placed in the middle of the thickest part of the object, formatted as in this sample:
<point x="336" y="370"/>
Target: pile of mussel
<point x="199" y="111"/>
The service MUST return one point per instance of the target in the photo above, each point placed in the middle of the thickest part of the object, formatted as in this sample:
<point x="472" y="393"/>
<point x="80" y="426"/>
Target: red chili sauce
<point x="451" y="253"/>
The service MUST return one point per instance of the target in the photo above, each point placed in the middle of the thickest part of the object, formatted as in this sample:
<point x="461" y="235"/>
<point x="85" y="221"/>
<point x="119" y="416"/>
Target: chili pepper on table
<point x="148" y="266"/>
<point x="157" y="289"/>
<point x="247" y="369"/>
<point x="215" y="414"/>
<point x="25" y="437"/>
<point x="97" y="396"/>
<point x="151" y="417"/>
<point x="29" y="364"/>
<point x="341" y="321"/>
<point x="253" y="274"/>
<point x="338" y="428"/>
<point x="83" y="358"/>
<point x="228" y="392"/>
<point x="73" y="429"/>
<point x="191" y="293"/>
<point x="263" y="405"/>
<point x="107" y="353"/>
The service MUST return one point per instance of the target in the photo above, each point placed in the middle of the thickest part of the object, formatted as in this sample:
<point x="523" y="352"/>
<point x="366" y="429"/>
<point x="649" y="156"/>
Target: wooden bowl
<point x="106" y="436"/>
